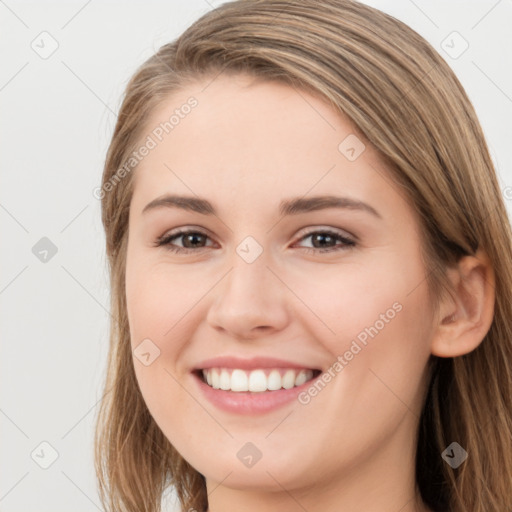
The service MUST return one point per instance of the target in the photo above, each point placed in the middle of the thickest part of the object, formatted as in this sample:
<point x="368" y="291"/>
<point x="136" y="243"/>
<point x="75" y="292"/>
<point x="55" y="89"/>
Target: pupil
<point x="322" y="236"/>
<point x="192" y="237"/>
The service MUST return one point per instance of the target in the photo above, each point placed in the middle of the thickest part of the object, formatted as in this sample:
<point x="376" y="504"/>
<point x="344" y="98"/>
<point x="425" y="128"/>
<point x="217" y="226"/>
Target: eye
<point x="192" y="241"/>
<point x="322" y="238"/>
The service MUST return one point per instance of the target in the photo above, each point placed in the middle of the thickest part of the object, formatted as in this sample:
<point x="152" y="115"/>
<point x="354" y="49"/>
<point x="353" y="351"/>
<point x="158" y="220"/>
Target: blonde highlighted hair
<point x="404" y="98"/>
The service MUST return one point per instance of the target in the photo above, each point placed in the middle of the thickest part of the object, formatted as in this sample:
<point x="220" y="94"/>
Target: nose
<point x="250" y="301"/>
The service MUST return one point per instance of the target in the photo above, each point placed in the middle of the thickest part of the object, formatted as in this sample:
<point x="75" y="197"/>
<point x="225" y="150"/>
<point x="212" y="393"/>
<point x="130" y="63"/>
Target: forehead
<point x="247" y="141"/>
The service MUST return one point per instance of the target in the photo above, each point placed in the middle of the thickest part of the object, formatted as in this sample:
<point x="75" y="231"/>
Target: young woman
<point x="311" y="274"/>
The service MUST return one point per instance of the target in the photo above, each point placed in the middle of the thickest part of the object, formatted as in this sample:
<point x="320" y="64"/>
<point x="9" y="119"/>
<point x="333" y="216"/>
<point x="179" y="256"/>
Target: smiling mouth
<point x="257" y="381"/>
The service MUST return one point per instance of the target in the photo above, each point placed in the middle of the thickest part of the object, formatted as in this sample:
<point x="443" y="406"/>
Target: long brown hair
<point x="408" y="103"/>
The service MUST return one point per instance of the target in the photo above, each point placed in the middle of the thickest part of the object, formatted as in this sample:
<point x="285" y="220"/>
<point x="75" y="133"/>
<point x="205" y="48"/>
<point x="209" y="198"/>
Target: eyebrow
<point x="292" y="206"/>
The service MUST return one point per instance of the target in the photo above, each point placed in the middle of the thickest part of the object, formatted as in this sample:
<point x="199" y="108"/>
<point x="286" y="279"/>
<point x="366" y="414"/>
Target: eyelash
<point x="165" y="240"/>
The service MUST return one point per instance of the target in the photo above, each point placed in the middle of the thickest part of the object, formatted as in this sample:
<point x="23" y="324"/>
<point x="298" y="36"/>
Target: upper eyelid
<point x="184" y="231"/>
<point x="315" y="229"/>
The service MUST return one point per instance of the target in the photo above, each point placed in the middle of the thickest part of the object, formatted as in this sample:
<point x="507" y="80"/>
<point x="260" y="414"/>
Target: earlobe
<point x="466" y="316"/>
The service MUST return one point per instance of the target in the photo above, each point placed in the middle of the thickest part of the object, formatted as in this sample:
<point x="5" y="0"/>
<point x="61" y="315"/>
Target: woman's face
<point x="269" y="272"/>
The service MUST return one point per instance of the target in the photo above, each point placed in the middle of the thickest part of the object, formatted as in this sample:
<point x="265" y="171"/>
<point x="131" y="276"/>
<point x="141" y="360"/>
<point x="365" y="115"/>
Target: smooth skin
<point x="245" y="147"/>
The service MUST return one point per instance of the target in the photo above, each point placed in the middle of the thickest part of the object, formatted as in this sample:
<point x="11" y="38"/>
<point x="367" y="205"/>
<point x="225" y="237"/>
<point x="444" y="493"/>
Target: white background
<point x="57" y="117"/>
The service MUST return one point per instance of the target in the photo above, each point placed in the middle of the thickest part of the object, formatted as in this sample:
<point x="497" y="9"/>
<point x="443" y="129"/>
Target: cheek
<point x="358" y="299"/>
<point x="157" y="313"/>
<point x="379" y="314"/>
<point x="155" y="301"/>
<point x="163" y="308"/>
<point x="389" y="330"/>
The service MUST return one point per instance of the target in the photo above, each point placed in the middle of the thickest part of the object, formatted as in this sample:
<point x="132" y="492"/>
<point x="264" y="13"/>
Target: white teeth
<point x="300" y="379"/>
<point x="255" y="381"/>
<point x="239" y="381"/>
<point x="215" y="379"/>
<point x="289" y="379"/>
<point x="274" y="380"/>
<point x="225" y="380"/>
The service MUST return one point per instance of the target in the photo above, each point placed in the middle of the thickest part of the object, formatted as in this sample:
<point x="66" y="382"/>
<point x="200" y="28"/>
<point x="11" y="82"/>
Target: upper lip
<point x="249" y="364"/>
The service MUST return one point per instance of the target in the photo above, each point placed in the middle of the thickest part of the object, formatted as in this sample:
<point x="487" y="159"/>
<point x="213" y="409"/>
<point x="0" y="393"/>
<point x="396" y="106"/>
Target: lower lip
<point x="246" y="402"/>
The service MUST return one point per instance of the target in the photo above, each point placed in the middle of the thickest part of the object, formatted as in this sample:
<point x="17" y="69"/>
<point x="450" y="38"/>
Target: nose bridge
<point x="249" y="297"/>
<point x="249" y="275"/>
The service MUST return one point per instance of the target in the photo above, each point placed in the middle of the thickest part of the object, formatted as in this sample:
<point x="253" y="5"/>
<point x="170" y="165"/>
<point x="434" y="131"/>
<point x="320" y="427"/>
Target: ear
<point x="466" y="316"/>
